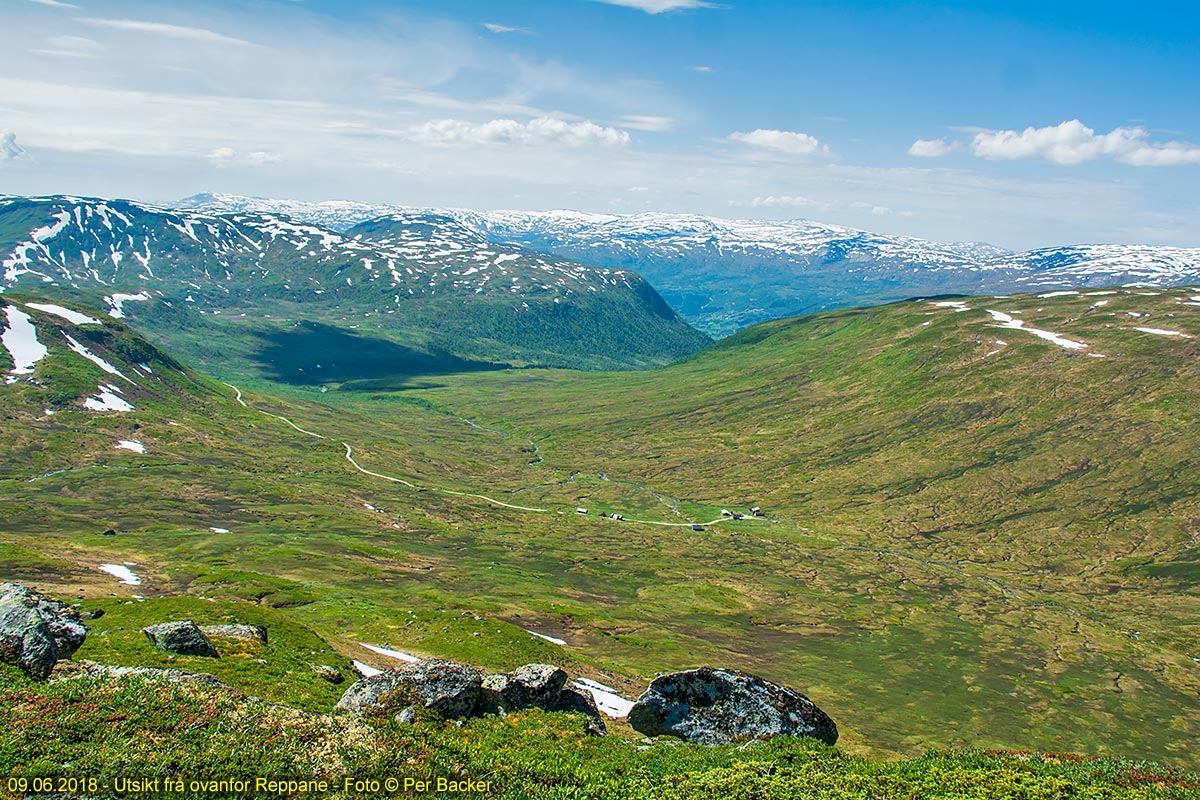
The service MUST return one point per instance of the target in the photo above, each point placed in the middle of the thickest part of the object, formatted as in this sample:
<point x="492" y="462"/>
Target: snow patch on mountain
<point x="20" y="339"/>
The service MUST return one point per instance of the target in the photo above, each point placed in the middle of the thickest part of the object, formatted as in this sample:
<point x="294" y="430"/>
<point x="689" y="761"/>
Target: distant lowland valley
<point x="924" y="513"/>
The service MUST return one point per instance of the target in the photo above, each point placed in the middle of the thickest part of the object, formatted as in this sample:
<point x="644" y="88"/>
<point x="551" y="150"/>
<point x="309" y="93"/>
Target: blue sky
<point x="1023" y="124"/>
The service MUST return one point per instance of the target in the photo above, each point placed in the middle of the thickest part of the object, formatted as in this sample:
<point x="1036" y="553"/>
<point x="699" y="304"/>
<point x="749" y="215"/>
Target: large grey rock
<point x="248" y="633"/>
<point x="582" y="703"/>
<point x="36" y="631"/>
<point x="450" y="689"/>
<point x="530" y="686"/>
<point x="718" y="706"/>
<point x="181" y="637"/>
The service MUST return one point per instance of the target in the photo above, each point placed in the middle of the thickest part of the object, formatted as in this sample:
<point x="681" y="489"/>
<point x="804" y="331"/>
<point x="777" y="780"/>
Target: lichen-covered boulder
<point x="181" y="637"/>
<point x="451" y="690"/>
<point x="530" y="686"/>
<point x="247" y="633"/>
<point x="719" y="706"/>
<point x="36" y="631"/>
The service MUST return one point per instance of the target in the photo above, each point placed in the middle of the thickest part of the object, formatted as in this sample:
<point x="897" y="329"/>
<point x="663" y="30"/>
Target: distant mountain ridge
<point x="422" y="280"/>
<point x="723" y="275"/>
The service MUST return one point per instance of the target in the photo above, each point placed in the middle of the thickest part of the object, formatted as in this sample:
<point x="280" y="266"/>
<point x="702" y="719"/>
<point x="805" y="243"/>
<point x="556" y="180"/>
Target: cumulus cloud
<point x="1073" y="142"/>
<point x="659" y="6"/>
<point x="932" y="148"/>
<point x="539" y="131"/>
<point x="783" y="141"/>
<point x="9" y="149"/>
<point x="782" y="201"/>
<point x="164" y="29"/>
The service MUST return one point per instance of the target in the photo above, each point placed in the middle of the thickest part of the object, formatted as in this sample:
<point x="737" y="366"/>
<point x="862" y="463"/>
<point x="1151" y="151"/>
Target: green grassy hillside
<point x="973" y="536"/>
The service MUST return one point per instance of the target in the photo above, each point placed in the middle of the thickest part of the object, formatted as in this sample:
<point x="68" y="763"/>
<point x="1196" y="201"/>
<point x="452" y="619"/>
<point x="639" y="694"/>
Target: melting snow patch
<point x="1161" y="332"/>
<point x="364" y="670"/>
<point x="1057" y="294"/>
<point x="957" y="305"/>
<point x="1099" y="303"/>
<point x="20" y="339"/>
<point x="547" y="638"/>
<point x="118" y="300"/>
<point x="129" y="444"/>
<point x="1019" y="325"/>
<point x="125" y="574"/>
<point x="219" y="530"/>
<point x="107" y="400"/>
<point x="396" y="654"/>
<point x="95" y="359"/>
<point x="73" y="317"/>
<point x="607" y="700"/>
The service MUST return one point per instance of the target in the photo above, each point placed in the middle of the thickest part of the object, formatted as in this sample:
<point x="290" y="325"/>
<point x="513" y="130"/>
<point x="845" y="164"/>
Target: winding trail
<point x="537" y="450"/>
<point x="354" y="463"/>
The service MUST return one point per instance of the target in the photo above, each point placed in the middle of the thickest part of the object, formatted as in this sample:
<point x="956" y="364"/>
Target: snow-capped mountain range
<point x="725" y="274"/>
<point x="421" y="277"/>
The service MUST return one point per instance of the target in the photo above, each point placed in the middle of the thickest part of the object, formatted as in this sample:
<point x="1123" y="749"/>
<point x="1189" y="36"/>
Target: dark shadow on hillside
<point x="312" y="354"/>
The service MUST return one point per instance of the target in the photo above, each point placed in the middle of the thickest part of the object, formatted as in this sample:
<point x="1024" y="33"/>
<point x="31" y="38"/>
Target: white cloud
<point x="54" y="3"/>
<point x="648" y="123"/>
<point x="9" y="149"/>
<point x="539" y="131"/>
<point x="932" y="148"/>
<point x="879" y="211"/>
<point x="782" y="201"/>
<point x="1073" y="142"/>
<point x="1171" y="154"/>
<point x="227" y="156"/>
<point x="496" y="27"/>
<point x="702" y="68"/>
<point x="164" y="29"/>
<point x="784" y="141"/>
<point x="659" y="6"/>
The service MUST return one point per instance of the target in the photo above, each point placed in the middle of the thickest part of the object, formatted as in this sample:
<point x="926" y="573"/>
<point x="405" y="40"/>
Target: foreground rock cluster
<point x="36" y="631"/>
<point x="706" y="706"/>
<point x="456" y="691"/>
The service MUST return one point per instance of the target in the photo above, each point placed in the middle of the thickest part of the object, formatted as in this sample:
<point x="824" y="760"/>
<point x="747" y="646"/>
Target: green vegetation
<point x="108" y="729"/>
<point x="966" y="544"/>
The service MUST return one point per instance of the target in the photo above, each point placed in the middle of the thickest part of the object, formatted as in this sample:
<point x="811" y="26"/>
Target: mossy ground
<point x="103" y="729"/>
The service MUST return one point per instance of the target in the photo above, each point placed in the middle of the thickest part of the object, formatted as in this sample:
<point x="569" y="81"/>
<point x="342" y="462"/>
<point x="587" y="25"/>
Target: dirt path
<point x="673" y="506"/>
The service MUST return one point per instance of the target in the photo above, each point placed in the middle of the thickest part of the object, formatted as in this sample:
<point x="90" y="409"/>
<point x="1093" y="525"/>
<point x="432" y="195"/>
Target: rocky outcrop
<point x="582" y="703"/>
<point x="530" y="686"/>
<point x="451" y="690"/>
<point x="455" y="691"/>
<point x="92" y="669"/>
<point x="246" y="633"/>
<point x="718" y="706"/>
<point x="327" y="673"/>
<point x="180" y="637"/>
<point x="36" y="631"/>
<point x="541" y="686"/>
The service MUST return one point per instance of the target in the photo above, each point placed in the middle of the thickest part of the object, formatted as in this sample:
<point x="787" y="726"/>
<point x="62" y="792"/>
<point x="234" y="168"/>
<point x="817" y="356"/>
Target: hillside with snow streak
<point x="430" y="282"/>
